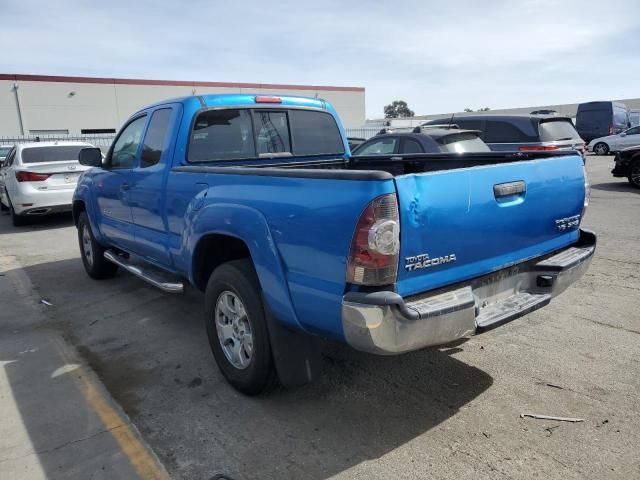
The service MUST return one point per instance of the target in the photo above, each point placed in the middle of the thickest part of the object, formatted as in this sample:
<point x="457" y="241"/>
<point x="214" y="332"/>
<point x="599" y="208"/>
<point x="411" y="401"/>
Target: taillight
<point x="31" y="176"/>
<point x="375" y="246"/>
<point x="539" y="148"/>
<point x="266" y="99"/>
<point x="611" y="129"/>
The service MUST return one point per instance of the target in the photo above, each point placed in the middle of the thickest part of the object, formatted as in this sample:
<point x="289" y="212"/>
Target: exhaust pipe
<point x="39" y="211"/>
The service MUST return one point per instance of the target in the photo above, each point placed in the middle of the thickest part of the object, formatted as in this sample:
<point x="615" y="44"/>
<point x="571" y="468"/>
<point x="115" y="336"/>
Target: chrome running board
<point x="154" y="276"/>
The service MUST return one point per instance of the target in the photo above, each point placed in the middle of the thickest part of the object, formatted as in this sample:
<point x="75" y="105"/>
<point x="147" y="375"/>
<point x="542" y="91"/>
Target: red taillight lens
<point x="266" y="99"/>
<point x="539" y="148"/>
<point x="375" y="246"/>
<point x="31" y="176"/>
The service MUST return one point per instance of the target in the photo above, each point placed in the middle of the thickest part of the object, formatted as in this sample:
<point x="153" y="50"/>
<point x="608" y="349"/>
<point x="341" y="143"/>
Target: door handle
<point x="124" y="186"/>
<point x="509" y="189"/>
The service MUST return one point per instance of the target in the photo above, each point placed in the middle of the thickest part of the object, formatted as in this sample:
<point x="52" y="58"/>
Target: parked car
<point x="39" y="178"/>
<point x="354" y="142"/>
<point x="430" y="140"/>
<point x="524" y="133"/>
<point x="627" y="164"/>
<point x="615" y="143"/>
<point x="597" y="119"/>
<point x="4" y="151"/>
<point x="256" y="202"/>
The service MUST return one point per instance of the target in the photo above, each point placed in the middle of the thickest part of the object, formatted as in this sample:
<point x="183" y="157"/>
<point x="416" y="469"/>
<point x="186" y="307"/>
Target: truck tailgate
<point x="462" y="223"/>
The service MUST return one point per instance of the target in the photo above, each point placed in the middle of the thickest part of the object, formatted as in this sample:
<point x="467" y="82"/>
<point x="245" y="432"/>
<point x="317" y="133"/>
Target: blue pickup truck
<point x="257" y="202"/>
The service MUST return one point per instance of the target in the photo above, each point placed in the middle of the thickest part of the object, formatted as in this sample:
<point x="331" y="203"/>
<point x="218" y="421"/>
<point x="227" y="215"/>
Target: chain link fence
<point x="103" y="141"/>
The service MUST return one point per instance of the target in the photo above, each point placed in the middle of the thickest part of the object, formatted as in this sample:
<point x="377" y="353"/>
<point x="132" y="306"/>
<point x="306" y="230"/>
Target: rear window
<point x="62" y="153"/>
<point x="237" y="134"/>
<point x="4" y="151"/>
<point x="500" y="131"/>
<point x="464" y="142"/>
<point x="315" y="133"/>
<point x="557" y="130"/>
<point x="222" y="135"/>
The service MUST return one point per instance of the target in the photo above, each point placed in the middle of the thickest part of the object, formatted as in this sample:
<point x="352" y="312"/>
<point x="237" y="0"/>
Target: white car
<point x="39" y="178"/>
<point x="615" y="143"/>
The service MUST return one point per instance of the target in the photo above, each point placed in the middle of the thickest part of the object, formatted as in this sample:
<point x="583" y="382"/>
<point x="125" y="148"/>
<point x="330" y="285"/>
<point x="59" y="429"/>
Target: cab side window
<point x="125" y="149"/>
<point x="156" y="137"/>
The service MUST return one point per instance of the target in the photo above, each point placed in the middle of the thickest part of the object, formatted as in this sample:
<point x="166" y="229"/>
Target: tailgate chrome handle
<point x="124" y="186"/>
<point x="509" y="189"/>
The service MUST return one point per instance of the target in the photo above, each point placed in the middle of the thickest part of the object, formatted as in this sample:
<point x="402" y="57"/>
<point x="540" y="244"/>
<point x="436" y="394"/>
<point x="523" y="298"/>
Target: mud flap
<point x="296" y="355"/>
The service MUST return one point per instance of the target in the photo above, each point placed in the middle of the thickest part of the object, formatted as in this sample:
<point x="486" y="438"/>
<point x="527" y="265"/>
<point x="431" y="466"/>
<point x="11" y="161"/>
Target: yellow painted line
<point x="142" y="459"/>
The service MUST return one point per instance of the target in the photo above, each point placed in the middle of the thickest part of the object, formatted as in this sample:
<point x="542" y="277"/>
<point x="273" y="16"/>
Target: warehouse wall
<point x="62" y="104"/>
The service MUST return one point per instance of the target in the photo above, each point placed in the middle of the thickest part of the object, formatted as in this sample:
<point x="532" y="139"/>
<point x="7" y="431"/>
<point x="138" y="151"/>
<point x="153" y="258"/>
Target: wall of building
<point x="59" y="104"/>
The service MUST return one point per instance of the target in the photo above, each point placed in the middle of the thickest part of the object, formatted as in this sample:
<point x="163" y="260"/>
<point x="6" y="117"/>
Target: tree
<point x="398" y="109"/>
<point x="468" y="109"/>
<point x="484" y="109"/>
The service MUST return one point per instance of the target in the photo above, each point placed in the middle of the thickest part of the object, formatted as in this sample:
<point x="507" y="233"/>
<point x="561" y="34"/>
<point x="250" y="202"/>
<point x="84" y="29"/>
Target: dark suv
<point x="425" y="140"/>
<point x="524" y="133"/>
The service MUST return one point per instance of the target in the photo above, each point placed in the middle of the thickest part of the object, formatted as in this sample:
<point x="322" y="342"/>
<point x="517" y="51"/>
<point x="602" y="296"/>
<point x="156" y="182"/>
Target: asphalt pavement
<point x="448" y="413"/>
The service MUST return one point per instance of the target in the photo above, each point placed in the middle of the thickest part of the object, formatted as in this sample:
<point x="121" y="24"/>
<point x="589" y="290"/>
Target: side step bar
<point x="155" y="277"/>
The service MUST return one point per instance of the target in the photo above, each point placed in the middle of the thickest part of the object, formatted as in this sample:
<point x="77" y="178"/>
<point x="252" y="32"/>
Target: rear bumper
<point x="385" y="323"/>
<point x="42" y="202"/>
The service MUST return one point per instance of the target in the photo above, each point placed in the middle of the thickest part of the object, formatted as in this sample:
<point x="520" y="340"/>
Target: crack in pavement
<point x="66" y="444"/>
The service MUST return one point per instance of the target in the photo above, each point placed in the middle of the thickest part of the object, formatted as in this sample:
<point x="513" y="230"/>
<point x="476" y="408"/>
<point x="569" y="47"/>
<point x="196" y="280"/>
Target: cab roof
<point x="245" y="99"/>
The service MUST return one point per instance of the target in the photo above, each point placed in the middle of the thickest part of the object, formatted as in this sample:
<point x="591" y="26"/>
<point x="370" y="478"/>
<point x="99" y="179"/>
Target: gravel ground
<point x="439" y="413"/>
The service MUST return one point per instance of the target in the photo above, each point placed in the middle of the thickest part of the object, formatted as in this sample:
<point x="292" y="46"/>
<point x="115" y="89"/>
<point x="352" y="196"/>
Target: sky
<point x="438" y="56"/>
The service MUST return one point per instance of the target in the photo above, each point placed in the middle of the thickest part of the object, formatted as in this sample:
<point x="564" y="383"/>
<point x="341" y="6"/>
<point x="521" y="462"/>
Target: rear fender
<point x="250" y="226"/>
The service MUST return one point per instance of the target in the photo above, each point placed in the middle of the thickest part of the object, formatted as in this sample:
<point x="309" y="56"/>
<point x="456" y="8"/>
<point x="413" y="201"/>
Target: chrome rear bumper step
<point x="154" y="276"/>
<point x="510" y="308"/>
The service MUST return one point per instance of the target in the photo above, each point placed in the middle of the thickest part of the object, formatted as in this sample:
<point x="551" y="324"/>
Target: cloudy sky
<point x="438" y="56"/>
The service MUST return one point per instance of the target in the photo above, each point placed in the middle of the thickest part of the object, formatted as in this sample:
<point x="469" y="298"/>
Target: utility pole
<point x="17" y="96"/>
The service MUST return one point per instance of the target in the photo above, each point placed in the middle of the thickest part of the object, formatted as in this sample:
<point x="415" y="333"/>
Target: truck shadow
<point x="619" y="186"/>
<point x="151" y="351"/>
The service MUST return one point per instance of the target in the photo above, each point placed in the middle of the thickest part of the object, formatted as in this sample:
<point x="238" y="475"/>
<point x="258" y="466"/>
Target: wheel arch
<point x="217" y="233"/>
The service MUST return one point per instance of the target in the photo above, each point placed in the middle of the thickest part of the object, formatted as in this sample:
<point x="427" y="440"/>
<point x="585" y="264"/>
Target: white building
<point x="49" y="105"/>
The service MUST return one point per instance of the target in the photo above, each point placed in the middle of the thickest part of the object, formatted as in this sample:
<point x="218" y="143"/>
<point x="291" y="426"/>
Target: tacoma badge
<point x="423" y="261"/>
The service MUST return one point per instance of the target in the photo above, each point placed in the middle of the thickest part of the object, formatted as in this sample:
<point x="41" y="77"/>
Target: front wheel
<point x="634" y="174"/>
<point x="92" y="253"/>
<point x="237" y="329"/>
<point x="601" y="148"/>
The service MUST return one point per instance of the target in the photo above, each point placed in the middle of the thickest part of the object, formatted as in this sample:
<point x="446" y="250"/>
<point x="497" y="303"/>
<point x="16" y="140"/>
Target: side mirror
<point x="90" y="157"/>
<point x="623" y="134"/>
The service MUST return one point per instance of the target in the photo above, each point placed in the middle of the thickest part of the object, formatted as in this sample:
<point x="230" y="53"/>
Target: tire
<point x="601" y="148"/>
<point x="92" y="253"/>
<point x="233" y="299"/>
<point x="634" y="174"/>
<point x="16" y="219"/>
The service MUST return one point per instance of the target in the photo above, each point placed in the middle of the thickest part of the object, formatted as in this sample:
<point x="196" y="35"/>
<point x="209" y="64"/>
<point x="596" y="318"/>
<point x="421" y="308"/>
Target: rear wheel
<point x="16" y="219"/>
<point x="634" y="174"/>
<point x="601" y="148"/>
<point x="237" y="329"/>
<point x="92" y="253"/>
